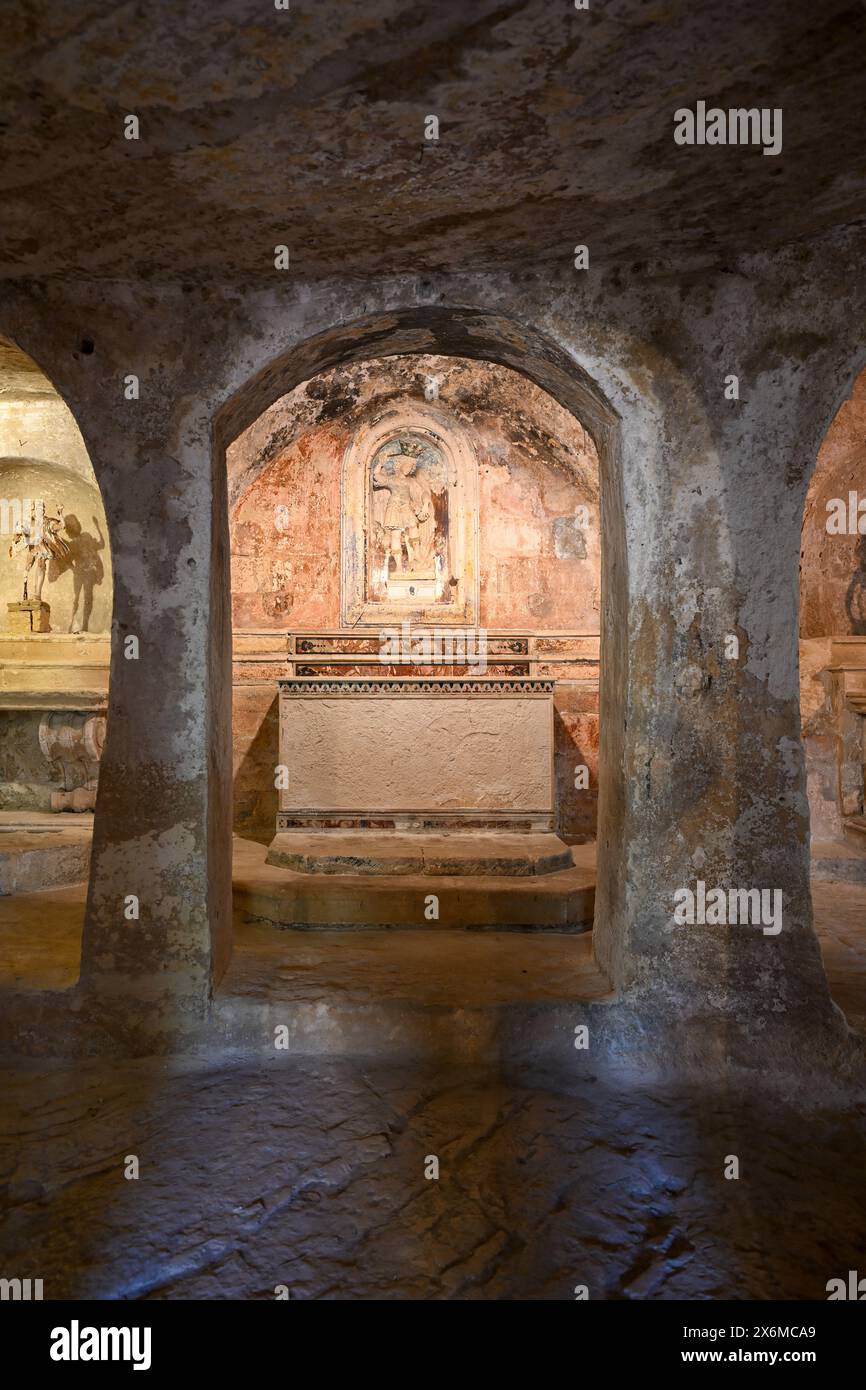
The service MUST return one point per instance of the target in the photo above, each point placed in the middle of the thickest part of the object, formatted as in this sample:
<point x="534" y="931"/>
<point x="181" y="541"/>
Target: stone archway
<point x="56" y="598"/>
<point x="473" y="334"/>
<point x="698" y="567"/>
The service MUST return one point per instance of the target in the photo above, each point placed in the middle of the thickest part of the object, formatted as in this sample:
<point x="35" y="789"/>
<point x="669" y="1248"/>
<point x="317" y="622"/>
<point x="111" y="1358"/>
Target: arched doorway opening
<point x="470" y="337"/>
<point x="833" y="697"/>
<point x="495" y="579"/>
<point x="55" y="626"/>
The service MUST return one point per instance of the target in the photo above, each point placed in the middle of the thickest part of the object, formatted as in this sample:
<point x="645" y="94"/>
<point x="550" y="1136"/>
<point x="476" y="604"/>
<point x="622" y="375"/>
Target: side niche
<point x="409" y="522"/>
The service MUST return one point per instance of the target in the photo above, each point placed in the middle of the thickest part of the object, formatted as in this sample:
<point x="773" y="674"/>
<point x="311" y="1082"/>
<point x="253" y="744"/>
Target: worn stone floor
<point x="40" y="942"/>
<point x="310" y="1173"/>
<point x="40" y="937"/>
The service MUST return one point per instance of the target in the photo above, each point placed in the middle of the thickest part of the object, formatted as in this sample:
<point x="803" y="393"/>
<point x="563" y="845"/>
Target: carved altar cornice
<point x="298" y="687"/>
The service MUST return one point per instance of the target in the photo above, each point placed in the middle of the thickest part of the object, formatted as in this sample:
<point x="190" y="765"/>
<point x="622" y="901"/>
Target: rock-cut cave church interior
<point x="432" y="654"/>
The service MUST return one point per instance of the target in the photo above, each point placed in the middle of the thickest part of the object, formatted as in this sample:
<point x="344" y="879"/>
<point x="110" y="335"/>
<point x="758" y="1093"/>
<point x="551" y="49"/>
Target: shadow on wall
<point x="256" y="721"/>
<point x="576" y="736"/>
<point x="86" y="566"/>
<point x="855" y="598"/>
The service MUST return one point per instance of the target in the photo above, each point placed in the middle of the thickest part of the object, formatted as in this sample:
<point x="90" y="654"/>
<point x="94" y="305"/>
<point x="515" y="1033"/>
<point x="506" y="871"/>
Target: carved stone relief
<point x="410" y="522"/>
<point x="75" y="743"/>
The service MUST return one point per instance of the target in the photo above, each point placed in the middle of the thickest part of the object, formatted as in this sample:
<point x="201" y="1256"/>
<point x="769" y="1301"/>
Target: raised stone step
<point x="455" y="997"/>
<point x="43" y="850"/>
<point x="458" y="853"/>
<point x="561" y="901"/>
<point x="840" y="860"/>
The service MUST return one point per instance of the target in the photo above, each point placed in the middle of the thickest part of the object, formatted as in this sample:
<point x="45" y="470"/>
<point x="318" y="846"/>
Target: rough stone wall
<point x="539" y="567"/>
<point x="305" y="126"/>
<point x="702" y="503"/>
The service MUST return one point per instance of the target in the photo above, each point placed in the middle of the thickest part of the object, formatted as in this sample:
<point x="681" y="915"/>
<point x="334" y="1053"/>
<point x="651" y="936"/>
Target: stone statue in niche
<point x="40" y="536"/>
<point x="409" y="506"/>
<point x="409" y="520"/>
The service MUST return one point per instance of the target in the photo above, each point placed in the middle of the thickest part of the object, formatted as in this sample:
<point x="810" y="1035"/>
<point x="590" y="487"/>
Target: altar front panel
<point x="417" y="752"/>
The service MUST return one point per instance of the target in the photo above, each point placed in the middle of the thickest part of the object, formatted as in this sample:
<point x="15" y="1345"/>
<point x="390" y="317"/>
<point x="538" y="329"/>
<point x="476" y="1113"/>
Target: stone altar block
<point x="416" y="753"/>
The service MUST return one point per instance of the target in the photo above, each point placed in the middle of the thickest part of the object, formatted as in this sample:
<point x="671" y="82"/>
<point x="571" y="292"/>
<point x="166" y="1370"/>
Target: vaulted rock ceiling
<point x="305" y="127"/>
